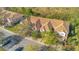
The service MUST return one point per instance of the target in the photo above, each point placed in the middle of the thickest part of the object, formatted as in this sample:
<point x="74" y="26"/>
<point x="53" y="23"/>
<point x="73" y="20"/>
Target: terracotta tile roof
<point x="10" y="14"/>
<point x="43" y="21"/>
<point x="58" y="24"/>
<point x="35" y="19"/>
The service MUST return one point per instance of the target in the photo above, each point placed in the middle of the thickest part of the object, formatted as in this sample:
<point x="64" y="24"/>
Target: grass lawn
<point x="1" y="49"/>
<point x="14" y="28"/>
<point x="17" y="29"/>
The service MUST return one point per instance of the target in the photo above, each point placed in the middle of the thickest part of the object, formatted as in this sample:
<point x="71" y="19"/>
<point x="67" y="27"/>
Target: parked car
<point x="19" y="49"/>
<point x="11" y="41"/>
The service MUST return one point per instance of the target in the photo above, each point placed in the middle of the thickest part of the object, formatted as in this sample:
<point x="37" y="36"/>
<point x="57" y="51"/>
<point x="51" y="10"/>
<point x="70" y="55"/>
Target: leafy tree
<point x="49" y="38"/>
<point x="27" y="11"/>
<point x="71" y="30"/>
<point x="36" y="34"/>
<point x="68" y="48"/>
<point x="72" y="41"/>
<point x="31" y="48"/>
<point x="77" y="47"/>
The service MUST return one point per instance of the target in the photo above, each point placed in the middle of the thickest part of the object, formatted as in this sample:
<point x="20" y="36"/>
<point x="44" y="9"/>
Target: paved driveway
<point x="6" y="32"/>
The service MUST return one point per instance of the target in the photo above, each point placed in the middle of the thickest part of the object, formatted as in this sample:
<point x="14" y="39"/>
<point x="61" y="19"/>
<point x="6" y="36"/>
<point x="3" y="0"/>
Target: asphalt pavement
<point x="23" y="43"/>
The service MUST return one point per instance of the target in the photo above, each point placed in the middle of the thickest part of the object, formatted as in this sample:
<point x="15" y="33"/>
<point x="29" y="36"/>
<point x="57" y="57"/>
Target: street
<point x="23" y="43"/>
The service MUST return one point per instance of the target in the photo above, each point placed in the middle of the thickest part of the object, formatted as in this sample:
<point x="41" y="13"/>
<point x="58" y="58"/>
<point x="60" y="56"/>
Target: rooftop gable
<point x="58" y="24"/>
